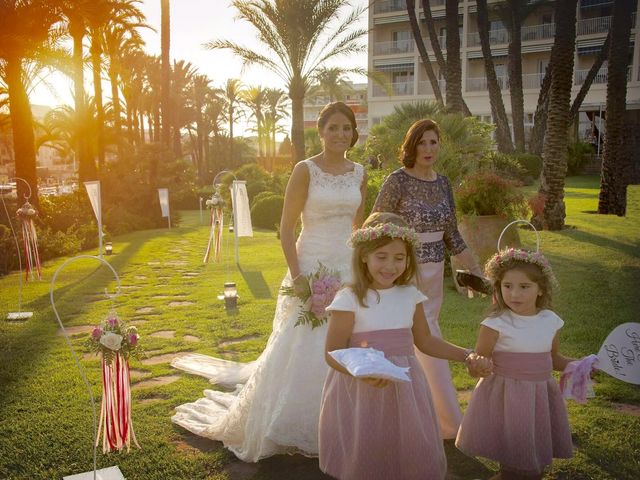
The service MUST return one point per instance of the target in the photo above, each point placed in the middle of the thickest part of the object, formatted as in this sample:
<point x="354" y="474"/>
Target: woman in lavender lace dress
<point x="425" y="200"/>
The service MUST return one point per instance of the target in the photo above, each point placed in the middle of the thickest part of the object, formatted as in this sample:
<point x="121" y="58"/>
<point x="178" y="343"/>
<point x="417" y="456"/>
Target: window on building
<point x="402" y="40"/>
<point x="546" y="18"/>
<point x="402" y="77"/>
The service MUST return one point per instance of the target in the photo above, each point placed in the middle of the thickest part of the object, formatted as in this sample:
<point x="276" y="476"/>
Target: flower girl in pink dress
<point x="517" y="416"/>
<point x="372" y="428"/>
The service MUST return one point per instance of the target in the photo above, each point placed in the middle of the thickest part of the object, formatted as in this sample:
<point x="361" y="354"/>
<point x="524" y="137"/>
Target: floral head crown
<point x="497" y="262"/>
<point x="366" y="234"/>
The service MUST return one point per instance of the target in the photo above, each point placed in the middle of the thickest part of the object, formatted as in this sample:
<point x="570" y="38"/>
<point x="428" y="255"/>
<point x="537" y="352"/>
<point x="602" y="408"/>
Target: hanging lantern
<point x="26" y="214"/>
<point x="108" y="248"/>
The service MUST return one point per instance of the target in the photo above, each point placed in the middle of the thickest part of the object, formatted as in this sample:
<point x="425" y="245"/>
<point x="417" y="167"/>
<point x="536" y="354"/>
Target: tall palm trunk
<point x="296" y="94"/>
<point x="453" y="89"/>
<point x="498" y="112"/>
<point x="165" y="88"/>
<point x="115" y="102"/>
<point x="515" y="74"/>
<point x="22" y="129"/>
<point x="424" y="56"/>
<point x="86" y="164"/>
<point x="591" y="75"/>
<point x="96" y="52"/>
<point x="554" y="152"/>
<point x="615" y="162"/>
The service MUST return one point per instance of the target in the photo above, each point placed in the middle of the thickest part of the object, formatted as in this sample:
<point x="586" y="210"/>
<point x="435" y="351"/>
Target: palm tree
<point x="554" y="152"/>
<point x="498" y="112"/>
<point x="613" y="184"/>
<point x="39" y="18"/>
<point x="231" y="95"/>
<point x="277" y="109"/>
<point x="254" y="99"/>
<point x="181" y="77"/>
<point x="332" y="82"/>
<point x="165" y="87"/>
<point x="424" y="55"/>
<point x="120" y="43"/>
<point x="103" y="14"/>
<point x="453" y="76"/>
<point x="299" y="35"/>
<point x="199" y="91"/>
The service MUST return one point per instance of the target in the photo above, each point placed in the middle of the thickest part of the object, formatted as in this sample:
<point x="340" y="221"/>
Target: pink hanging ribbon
<point x="115" y="414"/>
<point x="575" y="380"/>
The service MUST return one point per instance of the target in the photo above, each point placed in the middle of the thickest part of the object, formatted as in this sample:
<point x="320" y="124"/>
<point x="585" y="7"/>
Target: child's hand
<point x="479" y="366"/>
<point x="376" y="382"/>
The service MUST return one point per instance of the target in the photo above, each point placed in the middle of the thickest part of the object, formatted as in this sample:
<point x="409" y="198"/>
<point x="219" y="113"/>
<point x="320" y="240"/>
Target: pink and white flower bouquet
<point x="323" y="286"/>
<point x="114" y="336"/>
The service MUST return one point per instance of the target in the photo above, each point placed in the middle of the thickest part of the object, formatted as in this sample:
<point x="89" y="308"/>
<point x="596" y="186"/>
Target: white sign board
<point x="619" y="355"/>
<point x="93" y="190"/>
<point x="163" y="195"/>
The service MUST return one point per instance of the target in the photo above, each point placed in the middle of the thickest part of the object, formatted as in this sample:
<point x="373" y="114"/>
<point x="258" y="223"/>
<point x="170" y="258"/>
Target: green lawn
<point x="45" y="414"/>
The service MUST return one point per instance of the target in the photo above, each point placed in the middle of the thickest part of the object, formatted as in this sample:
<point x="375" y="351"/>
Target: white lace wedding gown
<point x="277" y="409"/>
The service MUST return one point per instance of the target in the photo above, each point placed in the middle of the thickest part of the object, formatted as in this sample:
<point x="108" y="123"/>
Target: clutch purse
<point x="474" y="282"/>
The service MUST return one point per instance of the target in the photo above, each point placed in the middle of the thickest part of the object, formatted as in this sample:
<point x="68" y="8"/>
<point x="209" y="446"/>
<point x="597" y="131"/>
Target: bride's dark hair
<point x="361" y="276"/>
<point x="338" y="107"/>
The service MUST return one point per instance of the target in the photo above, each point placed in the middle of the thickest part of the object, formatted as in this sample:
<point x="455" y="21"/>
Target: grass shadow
<point x="256" y="283"/>
<point x="600" y="241"/>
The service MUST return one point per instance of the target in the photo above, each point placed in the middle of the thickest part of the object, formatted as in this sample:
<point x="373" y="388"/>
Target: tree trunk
<point x="591" y="74"/>
<point x="96" y="52"/>
<point x="515" y="74"/>
<point x="554" y="152"/>
<point x="433" y="37"/>
<point x="498" y="112"/>
<point x="115" y="102"/>
<point x="296" y="94"/>
<point x="86" y="163"/>
<point x="22" y="130"/>
<point x="417" y="36"/>
<point x="231" y="120"/>
<point x="615" y="161"/>
<point x="165" y="87"/>
<point x="540" y="117"/>
<point x="453" y="89"/>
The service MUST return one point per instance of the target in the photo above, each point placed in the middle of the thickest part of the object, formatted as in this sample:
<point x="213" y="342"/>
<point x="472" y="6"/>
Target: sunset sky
<point x="193" y="23"/>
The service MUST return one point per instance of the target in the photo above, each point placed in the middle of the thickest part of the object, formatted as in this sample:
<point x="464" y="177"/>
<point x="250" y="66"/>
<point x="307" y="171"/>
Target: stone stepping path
<point x="164" y="358"/>
<point x="140" y="277"/>
<point x="176" y="263"/>
<point x="149" y="400"/>
<point x="76" y="330"/>
<point x="145" y="310"/>
<point x="137" y="373"/>
<point x="91" y="356"/>
<point x="164" y="297"/>
<point x="235" y="341"/>
<point x="180" y="304"/>
<point x="164" y="334"/>
<point x="130" y="287"/>
<point x="626" y="408"/>
<point x="153" y="263"/>
<point x="190" y="274"/>
<point x="191" y="338"/>
<point x="156" y="382"/>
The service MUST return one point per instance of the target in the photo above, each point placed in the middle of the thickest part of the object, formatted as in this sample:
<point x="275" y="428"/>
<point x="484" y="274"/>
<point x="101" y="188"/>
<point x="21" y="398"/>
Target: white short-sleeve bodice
<point x="394" y="309"/>
<point x="520" y="333"/>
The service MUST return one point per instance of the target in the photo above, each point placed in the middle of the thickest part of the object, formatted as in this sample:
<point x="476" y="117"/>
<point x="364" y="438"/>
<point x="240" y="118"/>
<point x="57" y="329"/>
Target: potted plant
<point x="485" y="204"/>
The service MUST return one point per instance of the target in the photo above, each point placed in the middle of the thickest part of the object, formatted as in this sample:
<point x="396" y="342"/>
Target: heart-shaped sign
<point x="619" y="355"/>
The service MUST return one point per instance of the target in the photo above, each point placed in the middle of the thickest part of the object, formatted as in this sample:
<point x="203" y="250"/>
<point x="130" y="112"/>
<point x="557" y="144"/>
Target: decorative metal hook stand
<point x="111" y="473"/>
<point x="19" y="315"/>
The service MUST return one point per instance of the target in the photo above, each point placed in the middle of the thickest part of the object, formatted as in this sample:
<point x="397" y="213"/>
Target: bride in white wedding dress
<point x="277" y="409"/>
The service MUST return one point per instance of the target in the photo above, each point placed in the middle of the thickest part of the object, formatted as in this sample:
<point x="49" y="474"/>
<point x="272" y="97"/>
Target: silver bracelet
<point x="468" y="353"/>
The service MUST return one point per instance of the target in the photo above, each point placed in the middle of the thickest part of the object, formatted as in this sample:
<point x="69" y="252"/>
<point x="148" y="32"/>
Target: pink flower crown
<point x="391" y="230"/>
<point x="495" y="263"/>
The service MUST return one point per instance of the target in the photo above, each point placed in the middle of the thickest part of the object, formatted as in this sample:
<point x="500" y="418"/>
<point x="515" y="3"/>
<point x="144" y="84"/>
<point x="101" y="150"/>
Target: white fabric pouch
<point x="369" y="362"/>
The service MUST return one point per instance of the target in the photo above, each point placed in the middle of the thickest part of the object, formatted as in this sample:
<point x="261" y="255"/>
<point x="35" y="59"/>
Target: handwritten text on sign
<point x="619" y="355"/>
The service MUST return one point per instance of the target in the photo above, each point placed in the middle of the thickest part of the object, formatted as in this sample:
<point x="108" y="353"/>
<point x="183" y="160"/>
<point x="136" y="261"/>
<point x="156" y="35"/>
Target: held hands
<point x="478" y="366"/>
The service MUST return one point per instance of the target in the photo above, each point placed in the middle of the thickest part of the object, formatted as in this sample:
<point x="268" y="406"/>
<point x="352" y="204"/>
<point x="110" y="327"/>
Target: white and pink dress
<point x="381" y="433"/>
<point x="517" y="416"/>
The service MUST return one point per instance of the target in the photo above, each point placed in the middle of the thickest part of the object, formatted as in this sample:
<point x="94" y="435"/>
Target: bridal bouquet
<point x="116" y="342"/>
<point x="323" y="286"/>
